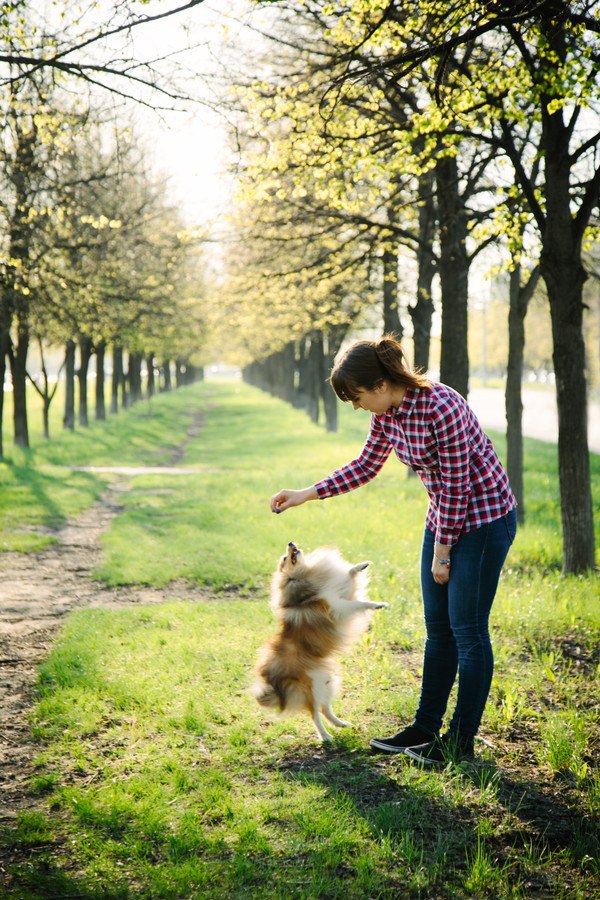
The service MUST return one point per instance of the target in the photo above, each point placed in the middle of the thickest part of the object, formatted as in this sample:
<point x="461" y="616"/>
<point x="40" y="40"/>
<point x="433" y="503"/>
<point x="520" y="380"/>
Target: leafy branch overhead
<point x="96" y="47"/>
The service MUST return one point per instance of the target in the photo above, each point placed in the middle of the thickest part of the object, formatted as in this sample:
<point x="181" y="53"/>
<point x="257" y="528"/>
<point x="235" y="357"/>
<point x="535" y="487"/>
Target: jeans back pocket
<point x="510" y="520"/>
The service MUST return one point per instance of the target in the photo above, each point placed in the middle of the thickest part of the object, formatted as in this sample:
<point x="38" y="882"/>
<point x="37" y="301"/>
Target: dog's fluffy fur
<point x="321" y="603"/>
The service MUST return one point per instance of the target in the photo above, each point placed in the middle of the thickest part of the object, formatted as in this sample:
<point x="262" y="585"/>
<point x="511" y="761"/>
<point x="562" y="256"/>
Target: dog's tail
<point x="266" y="695"/>
<point x="283" y="693"/>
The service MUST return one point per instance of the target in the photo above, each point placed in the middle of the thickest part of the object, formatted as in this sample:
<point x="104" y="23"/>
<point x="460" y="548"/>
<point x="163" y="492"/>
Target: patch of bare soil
<point x="38" y="590"/>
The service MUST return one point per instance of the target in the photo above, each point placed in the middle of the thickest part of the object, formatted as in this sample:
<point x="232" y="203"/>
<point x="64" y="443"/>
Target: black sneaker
<point x="410" y="737"/>
<point x="441" y="750"/>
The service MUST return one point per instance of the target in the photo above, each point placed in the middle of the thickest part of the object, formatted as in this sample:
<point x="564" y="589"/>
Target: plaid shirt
<point x="437" y="434"/>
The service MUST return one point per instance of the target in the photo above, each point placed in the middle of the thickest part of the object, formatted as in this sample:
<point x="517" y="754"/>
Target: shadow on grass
<point x="425" y="827"/>
<point x="543" y="813"/>
<point x="107" y="445"/>
<point x="428" y="826"/>
<point x="28" y="486"/>
<point x="30" y="874"/>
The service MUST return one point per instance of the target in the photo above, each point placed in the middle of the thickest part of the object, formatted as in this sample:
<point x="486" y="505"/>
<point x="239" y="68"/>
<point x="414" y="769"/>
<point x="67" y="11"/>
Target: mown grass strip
<point x="38" y="492"/>
<point x="159" y="777"/>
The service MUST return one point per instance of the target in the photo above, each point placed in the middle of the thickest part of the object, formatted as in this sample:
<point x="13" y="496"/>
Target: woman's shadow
<point x="397" y="799"/>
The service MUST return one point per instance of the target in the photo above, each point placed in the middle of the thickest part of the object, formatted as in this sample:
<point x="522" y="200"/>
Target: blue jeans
<point x="456" y="620"/>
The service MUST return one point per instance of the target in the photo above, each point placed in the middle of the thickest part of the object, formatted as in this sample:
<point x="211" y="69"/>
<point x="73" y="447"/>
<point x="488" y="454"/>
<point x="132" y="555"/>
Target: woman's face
<point x="377" y="401"/>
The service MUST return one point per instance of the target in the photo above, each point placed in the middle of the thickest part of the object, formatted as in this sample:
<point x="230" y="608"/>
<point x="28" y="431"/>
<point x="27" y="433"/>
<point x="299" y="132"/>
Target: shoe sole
<point x="432" y="763"/>
<point x="380" y="745"/>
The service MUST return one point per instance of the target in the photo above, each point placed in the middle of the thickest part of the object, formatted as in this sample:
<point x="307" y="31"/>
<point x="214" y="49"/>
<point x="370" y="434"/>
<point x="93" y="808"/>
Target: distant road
<point x="540" y="419"/>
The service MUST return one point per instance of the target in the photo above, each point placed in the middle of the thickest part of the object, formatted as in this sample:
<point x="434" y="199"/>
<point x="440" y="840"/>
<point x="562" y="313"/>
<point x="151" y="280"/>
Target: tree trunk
<point x="150" y="384"/>
<point x="179" y="373"/>
<point x="46" y="416"/>
<point x="124" y="381"/>
<point x="100" y="403"/>
<point x="565" y="293"/>
<point x="18" y="361"/>
<point x="512" y="395"/>
<point x="85" y="353"/>
<point x="117" y="377"/>
<point x="69" y="416"/>
<point x="272" y="365"/>
<point x="21" y="176"/>
<point x="519" y="297"/>
<point x="563" y="272"/>
<point x="315" y="374"/>
<point x="286" y="369"/>
<point x="4" y="342"/>
<point x="330" y="406"/>
<point x="135" y="376"/>
<point x="301" y="392"/>
<point x="166" y="373"/>
<point x="391" y="315"/>
<point x="422" y="312"/>
<point x="334" y="337"/>
<point x="454" y="278"/>
<point x="45" y="393"/>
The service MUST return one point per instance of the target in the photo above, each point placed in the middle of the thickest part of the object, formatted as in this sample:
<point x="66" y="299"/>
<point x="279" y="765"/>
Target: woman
<point x="471" y="523"/>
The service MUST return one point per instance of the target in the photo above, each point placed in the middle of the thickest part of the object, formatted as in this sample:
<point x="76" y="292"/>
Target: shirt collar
<point x="408" y="402"/>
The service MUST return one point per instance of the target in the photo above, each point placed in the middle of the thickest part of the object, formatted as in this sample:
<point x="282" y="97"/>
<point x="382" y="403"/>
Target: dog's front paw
<point x="382" y="606"/>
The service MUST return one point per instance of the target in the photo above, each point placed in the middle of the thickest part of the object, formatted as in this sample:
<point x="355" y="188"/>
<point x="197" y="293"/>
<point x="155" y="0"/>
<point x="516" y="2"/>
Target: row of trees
<point x="95" y="258"/>
<point x="374" y="130"/>
<point x="377" y="129"/>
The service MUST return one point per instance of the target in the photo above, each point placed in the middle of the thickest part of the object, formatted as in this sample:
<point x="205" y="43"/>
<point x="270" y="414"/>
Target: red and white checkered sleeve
<point x="452" y="436"/>
<point x="362" y="469"/>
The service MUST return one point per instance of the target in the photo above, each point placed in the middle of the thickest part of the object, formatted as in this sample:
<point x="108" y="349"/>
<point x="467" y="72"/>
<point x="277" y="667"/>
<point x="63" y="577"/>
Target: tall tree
<point x="520" y="293"/>
<point x="510" y="62"/>
<point x="31" y="148"/>
<point x="368" y="162"/>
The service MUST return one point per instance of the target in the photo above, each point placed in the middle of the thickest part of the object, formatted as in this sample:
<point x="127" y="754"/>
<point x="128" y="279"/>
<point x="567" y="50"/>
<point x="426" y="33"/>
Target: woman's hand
<point x="287" y="498"/>
<point x="440" y="570"/>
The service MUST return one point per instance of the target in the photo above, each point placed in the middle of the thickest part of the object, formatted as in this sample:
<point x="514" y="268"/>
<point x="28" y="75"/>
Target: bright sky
<point x="191" y="146"/>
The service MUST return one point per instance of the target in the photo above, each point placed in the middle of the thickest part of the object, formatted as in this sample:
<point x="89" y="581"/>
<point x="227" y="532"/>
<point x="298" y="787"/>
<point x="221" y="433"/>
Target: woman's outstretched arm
<point x="287" y="498"/>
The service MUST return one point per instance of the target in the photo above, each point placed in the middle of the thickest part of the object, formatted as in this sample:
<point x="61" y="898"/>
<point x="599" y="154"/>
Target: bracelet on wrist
<point x="443" y="562"/>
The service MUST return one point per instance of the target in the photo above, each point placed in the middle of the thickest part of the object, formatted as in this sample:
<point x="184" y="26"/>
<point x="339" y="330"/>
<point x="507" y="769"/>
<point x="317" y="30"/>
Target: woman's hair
<point x="365" y="364"/>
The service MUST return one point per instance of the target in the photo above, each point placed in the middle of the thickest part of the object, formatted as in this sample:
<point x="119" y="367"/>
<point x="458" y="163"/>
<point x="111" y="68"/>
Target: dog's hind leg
<point x="316" y="717"/>
<point x="329" y="714"/>
<point x="324" y="683"/>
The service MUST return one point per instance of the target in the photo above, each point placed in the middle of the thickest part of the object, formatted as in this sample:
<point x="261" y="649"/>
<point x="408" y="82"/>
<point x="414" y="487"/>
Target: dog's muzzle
<point x="293" y="552"/>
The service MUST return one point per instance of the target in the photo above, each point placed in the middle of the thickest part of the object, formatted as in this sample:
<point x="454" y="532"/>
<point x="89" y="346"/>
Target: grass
<point x="157" y="775"/>
<point x="38" y="493"/>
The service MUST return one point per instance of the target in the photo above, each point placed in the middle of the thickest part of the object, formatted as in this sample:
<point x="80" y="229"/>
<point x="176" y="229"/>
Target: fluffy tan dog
<point x="320" y="601"/>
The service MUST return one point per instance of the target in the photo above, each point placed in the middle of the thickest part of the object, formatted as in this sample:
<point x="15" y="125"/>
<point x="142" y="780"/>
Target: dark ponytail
<point x="365" y="364"/>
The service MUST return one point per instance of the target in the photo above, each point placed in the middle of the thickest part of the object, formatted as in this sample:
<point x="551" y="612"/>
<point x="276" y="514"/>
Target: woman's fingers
<point x="286" y="498"/>
<point x="441" y="574"/>
<point x="279" y="502"/>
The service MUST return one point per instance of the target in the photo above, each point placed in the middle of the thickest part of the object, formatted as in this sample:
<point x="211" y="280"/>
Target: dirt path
<point x="37" y="591"/>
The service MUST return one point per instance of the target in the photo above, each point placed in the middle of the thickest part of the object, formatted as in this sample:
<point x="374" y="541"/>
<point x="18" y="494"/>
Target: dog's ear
<point x="359" y="567"/>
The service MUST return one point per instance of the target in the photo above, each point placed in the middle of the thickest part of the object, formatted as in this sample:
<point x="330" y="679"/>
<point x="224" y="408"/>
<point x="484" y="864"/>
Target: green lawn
<point x="157" y="774"/>
<point x="38" y="493"/>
